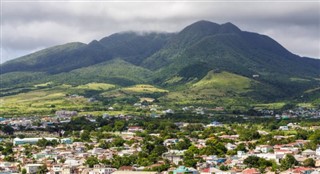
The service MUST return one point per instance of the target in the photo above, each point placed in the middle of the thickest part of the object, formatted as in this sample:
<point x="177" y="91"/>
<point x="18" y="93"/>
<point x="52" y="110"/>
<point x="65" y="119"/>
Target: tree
<point x="24" y="171"/>
<point x="119" y="125"/>
<point x="9" y="158"/>
<point x="7" y="129"/>
<point x="257" y="162"/>
<point x="251" y="161"/>
<point x="91" y="161"/>
<point x="42" y="169"/>
<point x="42" y="142"/>
<point x="85" y="136"/>
<point x="214" y="147"/>
<point x="248" y="134"/>
<point x="309" y="162"/>
<point x="188" y="159"/>
<point x="288" y="162"/>
<point x="118" y="141"/>
<point x="224" y="168"/>
<point x="241" y="147"/>
<point x="315" y="137"/>
<point x="7" y="149"/>
<point x="184" y="144"/>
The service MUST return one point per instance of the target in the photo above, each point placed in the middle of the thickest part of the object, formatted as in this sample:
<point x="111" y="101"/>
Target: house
<point x="134" y="172"/>
<point x="308" y="153"/>
<point x="171" y="141"/>
<point x="127" y="168"/>
<point x="282" y="153"/>
<point x="284" y="128"/>
<point x="32" y="168"/>
<point x="230" y="146"/>
<point x="264" y="148"/>
<point x="255" y="75"/>
<point x="230" y="137"/>
<point x="317" y="163"/>
<point x="56" y="169"/>
<point x="168" y="111"/>
<point x="18" y="141"/>
<point x="64" y="113"/>
<point x="135" y="129"/>
<point x="318" y="151"/>
<point x="250" y="171"/>
<point x="269" y="156"/>
<point x="101" y="169"/>
<point x="210" y="170"/>
<point x="185" y="170"/>
<point x="175" y="156"/>
<point x="214" y="124"/>
<point x="302" y="170"/>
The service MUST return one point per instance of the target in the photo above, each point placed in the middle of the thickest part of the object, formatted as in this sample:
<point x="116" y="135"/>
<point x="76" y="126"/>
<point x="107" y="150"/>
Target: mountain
<point x="63" y="58"/>
<point x="203" y="62"/>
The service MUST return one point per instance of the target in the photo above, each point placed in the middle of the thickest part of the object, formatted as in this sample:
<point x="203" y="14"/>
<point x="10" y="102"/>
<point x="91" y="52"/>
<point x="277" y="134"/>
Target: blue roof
<point x="182" y="169"/>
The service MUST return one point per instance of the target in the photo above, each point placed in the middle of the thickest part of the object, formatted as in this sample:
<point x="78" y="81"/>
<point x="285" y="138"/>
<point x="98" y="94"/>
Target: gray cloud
<point x="30" y="26"/>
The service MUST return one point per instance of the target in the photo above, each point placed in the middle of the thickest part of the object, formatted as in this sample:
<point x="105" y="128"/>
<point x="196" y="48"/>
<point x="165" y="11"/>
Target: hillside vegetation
<point x="203" y="64"/>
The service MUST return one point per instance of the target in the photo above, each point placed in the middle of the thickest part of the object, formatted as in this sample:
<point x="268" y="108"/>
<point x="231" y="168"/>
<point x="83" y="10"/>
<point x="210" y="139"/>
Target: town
<point x="190" y="140"/>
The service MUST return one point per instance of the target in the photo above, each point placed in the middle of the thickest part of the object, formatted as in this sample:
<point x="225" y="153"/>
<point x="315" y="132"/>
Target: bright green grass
<point x="223" y="81"/>
<point x="173" y="80"/>
<point x="218" y="89"/>
<point x="277" y="105"/>
<point x="296" y="79"/>
<point x="43" y="84"/>
<point x="96" y="86"/>
<point x="143" y="88"/>
<point x="44" y="101"/>
<point x="306" y="105"/>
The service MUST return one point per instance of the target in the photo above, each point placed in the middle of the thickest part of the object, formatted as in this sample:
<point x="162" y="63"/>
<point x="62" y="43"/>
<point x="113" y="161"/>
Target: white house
<point x="318" y="151"/>
<point x="18" y="141"/>
<point x="32" y="168"/>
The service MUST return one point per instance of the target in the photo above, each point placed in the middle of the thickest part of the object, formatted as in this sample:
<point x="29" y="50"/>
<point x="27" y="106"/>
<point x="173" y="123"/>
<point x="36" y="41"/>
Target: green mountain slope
<point x="222" y="88"/>
<point x="115" y="71"/>
<point x="229" y="49"/>
<point x="130" y="46"/>
<point x="204" y="63"/>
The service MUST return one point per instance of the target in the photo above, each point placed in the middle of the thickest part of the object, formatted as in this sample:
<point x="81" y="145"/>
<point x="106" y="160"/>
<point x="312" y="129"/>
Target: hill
<point x="204" y="64"/>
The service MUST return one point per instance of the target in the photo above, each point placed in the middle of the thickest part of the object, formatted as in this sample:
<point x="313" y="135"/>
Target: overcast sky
<point x="31" y="26"/>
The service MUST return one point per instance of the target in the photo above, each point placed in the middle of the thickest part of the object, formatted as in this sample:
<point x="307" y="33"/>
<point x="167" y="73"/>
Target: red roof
<point x="206" y="170"/>
<point x="301" y="169"/>
<point x="250" y="171"/>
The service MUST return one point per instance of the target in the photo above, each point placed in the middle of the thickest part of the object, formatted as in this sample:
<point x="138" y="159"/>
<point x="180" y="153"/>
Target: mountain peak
<point x="229" y="28"/>
<point x="202" y="26"/>
<point x="95" y="44"/>
<point x="208" y="28"/>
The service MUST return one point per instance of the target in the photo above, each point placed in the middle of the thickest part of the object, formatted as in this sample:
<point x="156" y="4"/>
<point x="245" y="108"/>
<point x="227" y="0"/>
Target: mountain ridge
<point x="173" y="61"/>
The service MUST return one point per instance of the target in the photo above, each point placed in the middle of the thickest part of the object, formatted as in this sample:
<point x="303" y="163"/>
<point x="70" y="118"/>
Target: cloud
<point x="30" y="26"/>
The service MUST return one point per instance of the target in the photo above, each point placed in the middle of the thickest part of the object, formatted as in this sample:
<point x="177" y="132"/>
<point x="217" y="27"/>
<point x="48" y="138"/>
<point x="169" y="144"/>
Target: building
<point x="174" y="156"/>
<point x="101" y="169"/>
<point x="134" y="172"/>
<point x="185" y="170"/>
<point x="318" y="151"/>
<point x="214" y="124"/>
<point x="18" y="141"/>
<point x="32" y="168"/>
<point x="135" y="129"/>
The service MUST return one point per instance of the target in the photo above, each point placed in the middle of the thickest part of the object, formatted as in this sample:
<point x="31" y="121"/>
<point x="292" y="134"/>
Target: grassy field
<point x="214" y="89"/>
<point x="96" y="86"/>
<point x="143" y="89"/>
<point x="38" y="102"/>
<point x="42" y="101"/>
<point x="223" y="82"/>
<point x="278" y="105"/>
